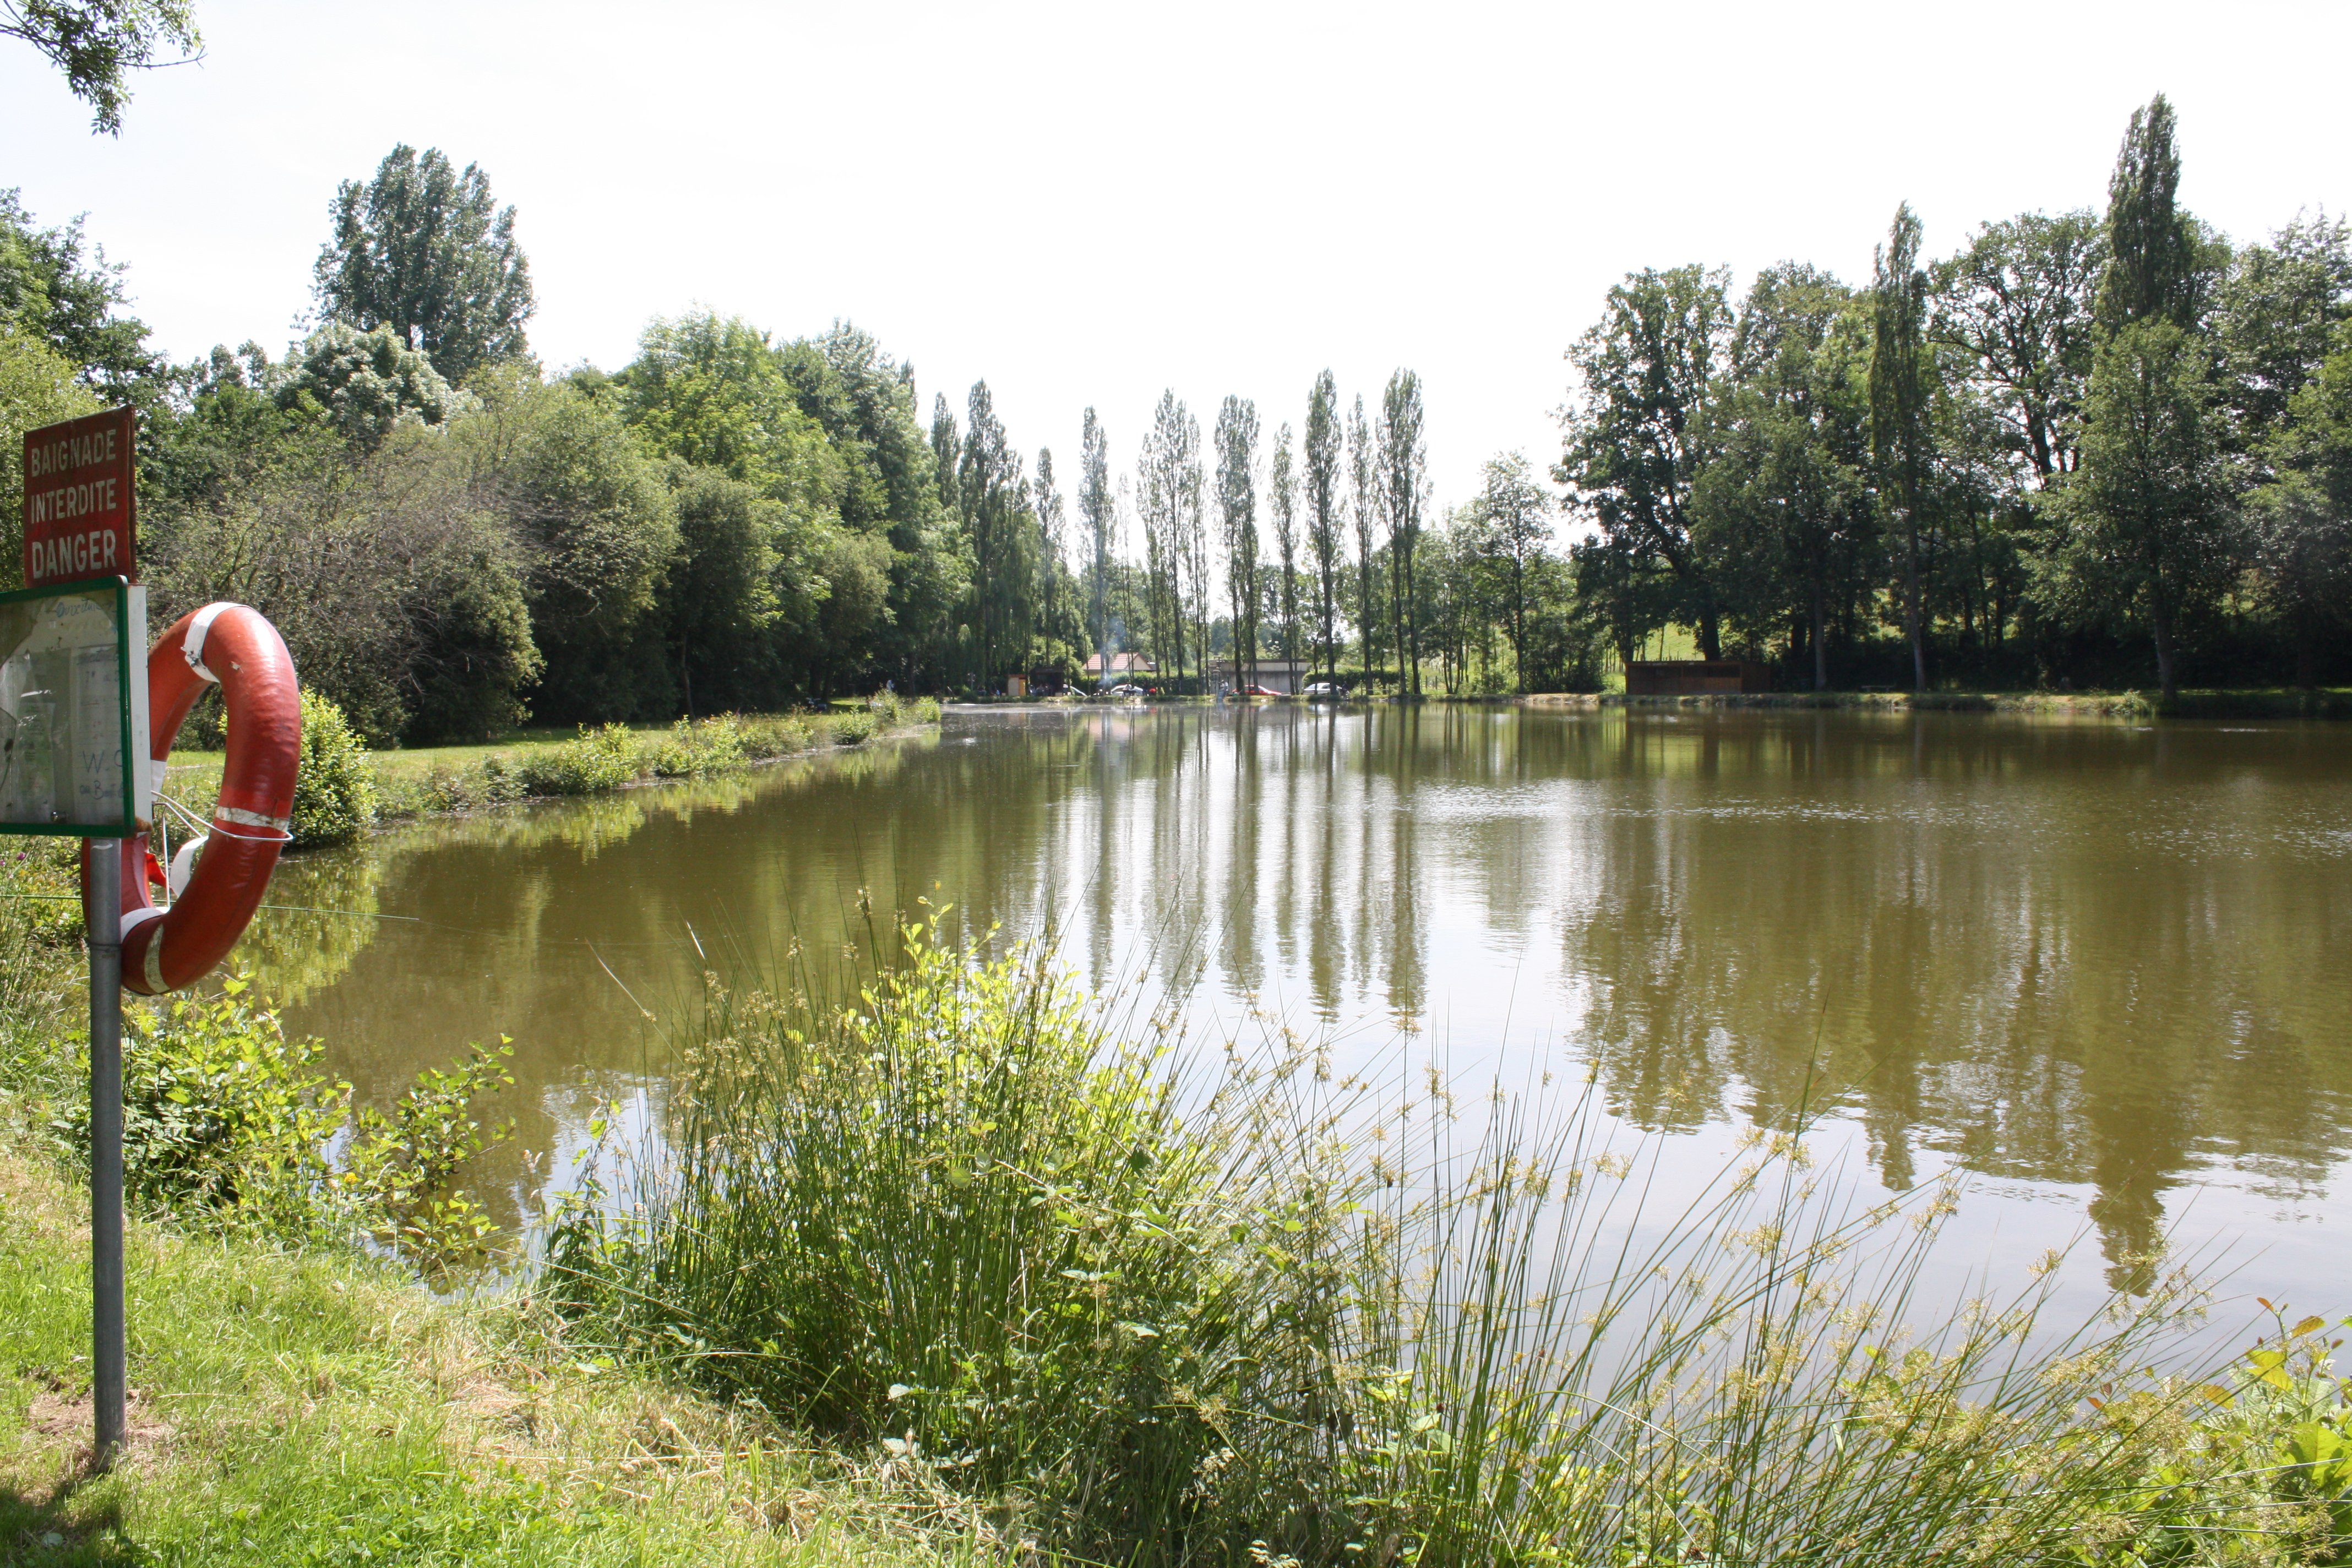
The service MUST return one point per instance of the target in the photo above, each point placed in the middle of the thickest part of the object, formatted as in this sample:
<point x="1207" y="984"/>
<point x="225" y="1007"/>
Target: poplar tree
<point x="1404" y="488"/>
<point x="1898" y="409"/>
<point x="1514" y="511"/>
<point x="1282" y="486"/>
<point x="1323" y="440"/>
<point x="947" y="452"/>
<point x="1047" y="500"/>
<point x="1170" y="451"/>
<point x="1237" y="509"/>
<point x="1363" y="494"/>
<point x="427" y="252"/>
<point x="1192" y="530"/>
<point x="1100" y="512"/>
<point x="2151" y="245"/>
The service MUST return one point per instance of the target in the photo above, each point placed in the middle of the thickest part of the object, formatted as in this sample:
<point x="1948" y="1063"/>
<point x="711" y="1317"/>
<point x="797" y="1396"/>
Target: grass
<point x="436" y="780"/>
<point x="319" y="1408"/>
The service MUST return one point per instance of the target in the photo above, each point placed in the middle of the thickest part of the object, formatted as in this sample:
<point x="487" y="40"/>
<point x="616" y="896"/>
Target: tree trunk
<point x="2167" y="678"/>
<point x="1820" y="639"/>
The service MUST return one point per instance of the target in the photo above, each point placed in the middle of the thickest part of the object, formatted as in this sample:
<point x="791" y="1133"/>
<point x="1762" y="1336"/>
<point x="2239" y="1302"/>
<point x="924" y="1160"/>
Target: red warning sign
<point x="80" y="506"/>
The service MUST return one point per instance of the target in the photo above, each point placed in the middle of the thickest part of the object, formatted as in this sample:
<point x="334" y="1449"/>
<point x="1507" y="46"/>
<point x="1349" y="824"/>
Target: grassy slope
<point x="316" y="1409"/>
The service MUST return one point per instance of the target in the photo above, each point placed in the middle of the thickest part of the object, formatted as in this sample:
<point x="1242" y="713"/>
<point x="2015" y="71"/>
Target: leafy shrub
<point x="593" y="761"/>
<point x="334" y="791"/>
<point x="770" y="735"/>
<point x="226" y="1118"/>
<point x="853" y="728"/>
<point x="701" y="746"/>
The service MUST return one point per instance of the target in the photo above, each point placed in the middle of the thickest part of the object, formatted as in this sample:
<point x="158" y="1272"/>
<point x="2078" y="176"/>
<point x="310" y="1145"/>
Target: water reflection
<point x="2070" y="955"/>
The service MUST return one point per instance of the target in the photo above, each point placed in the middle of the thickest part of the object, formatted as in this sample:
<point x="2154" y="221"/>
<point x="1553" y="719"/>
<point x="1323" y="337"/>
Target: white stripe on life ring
<point x="245" y="818"/>
<point x="131" y="920"/>
<point x="192" y="647"/>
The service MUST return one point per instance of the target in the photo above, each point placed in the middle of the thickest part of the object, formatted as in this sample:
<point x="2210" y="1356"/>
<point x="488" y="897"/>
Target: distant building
<point x="1696" y="677"/>
<point x="1120" y="667"/>
<point x="1287" y="676"/>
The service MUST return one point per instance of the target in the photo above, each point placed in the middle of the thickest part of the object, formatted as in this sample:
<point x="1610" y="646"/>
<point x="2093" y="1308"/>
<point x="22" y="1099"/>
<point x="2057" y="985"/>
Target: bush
<point x="853" y="728"/>
<point x="703" y="746"/>
<point x="334" y="791"/>
<point x="771" y="735"/>
<point x="227" y="1121"/>
<point x="593" y="761"/>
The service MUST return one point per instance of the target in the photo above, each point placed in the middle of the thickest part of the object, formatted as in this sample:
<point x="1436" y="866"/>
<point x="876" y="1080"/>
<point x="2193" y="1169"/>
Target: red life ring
<point x="231" y="645"/>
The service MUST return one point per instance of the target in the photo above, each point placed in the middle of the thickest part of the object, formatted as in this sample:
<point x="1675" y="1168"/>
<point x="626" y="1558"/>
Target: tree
<point x="1046" y="502"/>
<point x="722" y="594"/>
<point x="1100" y="515"/>
<point x="2276" y="318"/>
<point x="1783" y="507"/>
<point x="597" y="528"/>
<point x="425" y="251"/>
<point x="992" y="493"/>
<point x="1404" y="489"/>
<point x="97" y="43"/>
<point x="1514" y="511"/>
<point x="1898" y="412"/>
<point x="2303" y="515"/>
<point x="1164" y="476"/>
<point x="2150" y="507"/>
<point x="1237" y="510"/>
<point x="1636" y="439"/>
<point x="367" y="384"/>
<point x="51" y="291"/>
<point x="2017" y="302"/>
<point x="1363" y="494"/>
<point x="2153" y="265"/>
<point x="37" y="387"/>
<point x="1282" y="489"/>
<point x="1322" y="452"/>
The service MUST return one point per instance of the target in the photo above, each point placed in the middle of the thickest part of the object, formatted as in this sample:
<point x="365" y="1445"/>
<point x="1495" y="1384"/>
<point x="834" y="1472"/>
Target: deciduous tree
<point x="425" y="251"/>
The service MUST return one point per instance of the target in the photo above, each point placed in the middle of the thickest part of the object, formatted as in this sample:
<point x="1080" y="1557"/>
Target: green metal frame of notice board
<point x="127" y="610"/>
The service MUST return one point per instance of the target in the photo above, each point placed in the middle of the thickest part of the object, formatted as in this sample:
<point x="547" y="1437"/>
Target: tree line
<point x="2084" y="448"/>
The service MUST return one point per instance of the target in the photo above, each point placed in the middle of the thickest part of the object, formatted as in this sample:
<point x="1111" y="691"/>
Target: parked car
<point x="1258" y="691"/>
<point x="1326" y="691"/>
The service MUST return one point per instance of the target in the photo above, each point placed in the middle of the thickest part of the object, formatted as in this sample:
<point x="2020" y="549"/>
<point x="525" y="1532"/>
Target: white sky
<point x="1086" y="203"/>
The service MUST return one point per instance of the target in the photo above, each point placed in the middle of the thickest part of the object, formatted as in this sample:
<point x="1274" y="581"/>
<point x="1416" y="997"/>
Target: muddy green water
<point x="2105" y="968"/>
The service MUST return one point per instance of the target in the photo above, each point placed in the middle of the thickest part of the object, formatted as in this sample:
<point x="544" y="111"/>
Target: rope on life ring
<point x="230" y="645"/>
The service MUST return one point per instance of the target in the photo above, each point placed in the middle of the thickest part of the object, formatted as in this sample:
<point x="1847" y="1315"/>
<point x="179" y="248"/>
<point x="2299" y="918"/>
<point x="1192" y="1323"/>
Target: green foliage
<point x="229" y="1124"/>
<point x="2151" y="511"/>
<point x="691" y="747"/>
<point x="367" y="382"/>
<point x="98" y="43"/>
<point x="49" y="290"/>
<point x="334" y="791"/>
<point x="36" y="388"/>
<point x="853" y="728"/>
<point x="596" y="759"/>
<point x="1636" y="441"/>
<point x="426" y="254"/>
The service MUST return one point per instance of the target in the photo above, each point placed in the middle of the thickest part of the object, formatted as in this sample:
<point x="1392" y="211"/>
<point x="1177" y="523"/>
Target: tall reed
<point x="1142" y="1308"/>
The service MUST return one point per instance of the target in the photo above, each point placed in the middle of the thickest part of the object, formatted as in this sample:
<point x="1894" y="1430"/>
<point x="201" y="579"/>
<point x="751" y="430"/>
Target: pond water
<point x="2105" y="968"/>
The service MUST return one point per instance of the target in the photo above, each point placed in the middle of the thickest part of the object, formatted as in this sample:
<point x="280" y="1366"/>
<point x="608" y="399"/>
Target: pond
<point x="2105" y="967"/>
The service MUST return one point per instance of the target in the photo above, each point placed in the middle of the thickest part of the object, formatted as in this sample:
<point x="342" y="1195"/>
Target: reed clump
<point x="1138" y="1311"/>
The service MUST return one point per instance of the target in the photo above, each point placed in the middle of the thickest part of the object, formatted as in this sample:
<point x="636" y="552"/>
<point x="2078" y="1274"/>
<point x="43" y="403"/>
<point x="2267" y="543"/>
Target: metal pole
<point x="102" y="907"/>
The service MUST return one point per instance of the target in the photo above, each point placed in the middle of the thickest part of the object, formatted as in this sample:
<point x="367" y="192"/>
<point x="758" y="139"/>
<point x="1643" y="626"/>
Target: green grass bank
<point x="348" y="788"/>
